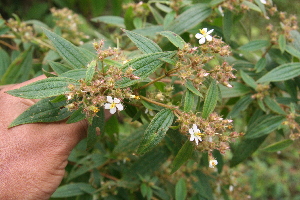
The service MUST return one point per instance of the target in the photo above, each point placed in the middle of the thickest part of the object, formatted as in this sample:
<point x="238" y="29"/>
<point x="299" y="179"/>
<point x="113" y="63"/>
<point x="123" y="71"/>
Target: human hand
<point x="33" y="157"/>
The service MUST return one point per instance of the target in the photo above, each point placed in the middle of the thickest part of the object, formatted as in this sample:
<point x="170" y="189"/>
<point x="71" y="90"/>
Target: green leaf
<point x="190" y="18"/>
<point x="180" y="190"/>
<point x="169" y="61"/>
<point x="128" y="18"/>
<point x="248" y="79"/>
<point x="241" y="105"/>
<point x="144" y="66"/>
<point x="282" y="43"/>
<point x="156" y="130"/>
<point x="130" y="143"/>
<point x="211" y="99"/>
<point x="75" y="74"/>
<point x="112" y="20"/>
<point x="296" y="39"/>
<point x="169" y="19"/>
<point x="245" y="148"/>
<point x="42" y="111"/>
<point x="19" y="69"/>
<point x="157" y="16"/>
<point x="273" y="105"/>
<point x="227" y="24"/>
<point x="59" y="68"/>
<point x="144" y="44"/>
<point x="281" y="73"/>
<point x="278" y="146"/>
<point x="76" y="116"/>
<point x="147" y="164"/>
<point x="192" y="88"/>
<point x="4" y="62"/>
<point x="293" y="51"/>
<point x="182" y="156"/>
<point x="237" y="90"/>
<point x="174" y="38"/>
<point x="67" y="50"/>
<point x="260" y="65"/>
<point x="91" y="68"/>
<point x="137" y="22"/>
<point x="86" y="164"/>
<point x="264" y="127"/>
<point x="188" y="101"/>
<point x="48" y="87"/>
<point x="252" y="6"/>
<point x="254" y="45"/>
<point x="202" y="187"/>
<point x="72" y="190"/>
<point x="95" y="128"/>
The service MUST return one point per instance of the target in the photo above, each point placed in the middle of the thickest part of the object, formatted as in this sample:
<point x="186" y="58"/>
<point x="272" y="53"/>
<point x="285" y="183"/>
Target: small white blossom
<point x="195" y="134"/>
<point x="204" y="35"/>
<point x="263" y="1"/>
<point x="213" y="163"/>
<point x="113" y="104"/>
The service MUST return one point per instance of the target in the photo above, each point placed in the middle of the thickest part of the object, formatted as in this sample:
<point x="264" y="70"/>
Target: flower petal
<point x="202" y="40"/>
<point x="109" y="99"/>
<point x="116" y="100"/>
<point x="209" y="38"/>
<point x="210" y="31"/>
<point x="195" y="128"/>
<point x="191" y="131"/>
<point x="119" y="106"/>
<point x="113" y="110"/>
<point x="198" y="36"/>
<point x="107" y="106"/>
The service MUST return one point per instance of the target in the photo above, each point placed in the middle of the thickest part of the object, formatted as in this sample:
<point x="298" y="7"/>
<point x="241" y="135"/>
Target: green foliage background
<point x="114" y="171"/>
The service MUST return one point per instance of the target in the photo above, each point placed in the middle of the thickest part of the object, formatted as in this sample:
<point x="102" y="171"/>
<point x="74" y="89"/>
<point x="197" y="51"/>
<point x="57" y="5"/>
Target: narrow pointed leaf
<point x="240" y="105"/>
<point x="293" y="51"/>
<point x="254" y="45"/>
<point x="248" y="79"/>
<point x="91" y="68"/>
<point x="182" y="156"/>
<point x="237" y="90"/>
<point x="67" y="50"/>
<point x="43" y="111"/>
<point x="192" y="88"/>
<point x="72" y="190"/>
<point x="227" y="24"/>
<point x="156" y="130"/>
<point x="174" y="38"/>
<point x="95" y="129"/>
<point x="245" y="148"/>
<point x="278" y="146"/>
<point x="112" y="20"/>
<point x="211" y="99"/>
<point x="76" y="116"/>
<point x="144" y="44"/>
<point x="75" y="74"/>
<point x="281" y="73"/>
<point x="264" y="127"/>
<point x="282" y="43"/>
<point x="190" y="18"/>
<point x="144" y="66"/>
<point x="273" y="105"/>
<point x="48" y="87"/>
<point x="260" y="65"/>
<point x="180" y="190"/>
<point x="157" y="16"/>
<point x="188" y="101"/>
<point x="59" y="68"/>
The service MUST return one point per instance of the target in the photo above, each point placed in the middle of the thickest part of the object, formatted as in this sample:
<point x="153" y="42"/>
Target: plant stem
<point x="157" y="103"/>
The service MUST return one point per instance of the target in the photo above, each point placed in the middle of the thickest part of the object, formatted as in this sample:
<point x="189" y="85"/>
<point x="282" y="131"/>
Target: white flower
<point x="113" y="104"/>
<point x="204" y="35"/>
<point x="195" y="134"/>
<point x="263" y="1"/>
<point x="213" y="163"/>
<point x="150" y="111"/>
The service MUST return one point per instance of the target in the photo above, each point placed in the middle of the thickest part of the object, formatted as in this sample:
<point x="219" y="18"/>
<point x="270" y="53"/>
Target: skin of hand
<point x="33" y="157"/>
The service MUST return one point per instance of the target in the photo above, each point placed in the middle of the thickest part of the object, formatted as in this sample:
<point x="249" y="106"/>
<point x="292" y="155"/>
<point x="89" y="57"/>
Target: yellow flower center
<point x="202" y="31"/>
<point x="112" y="105"/>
